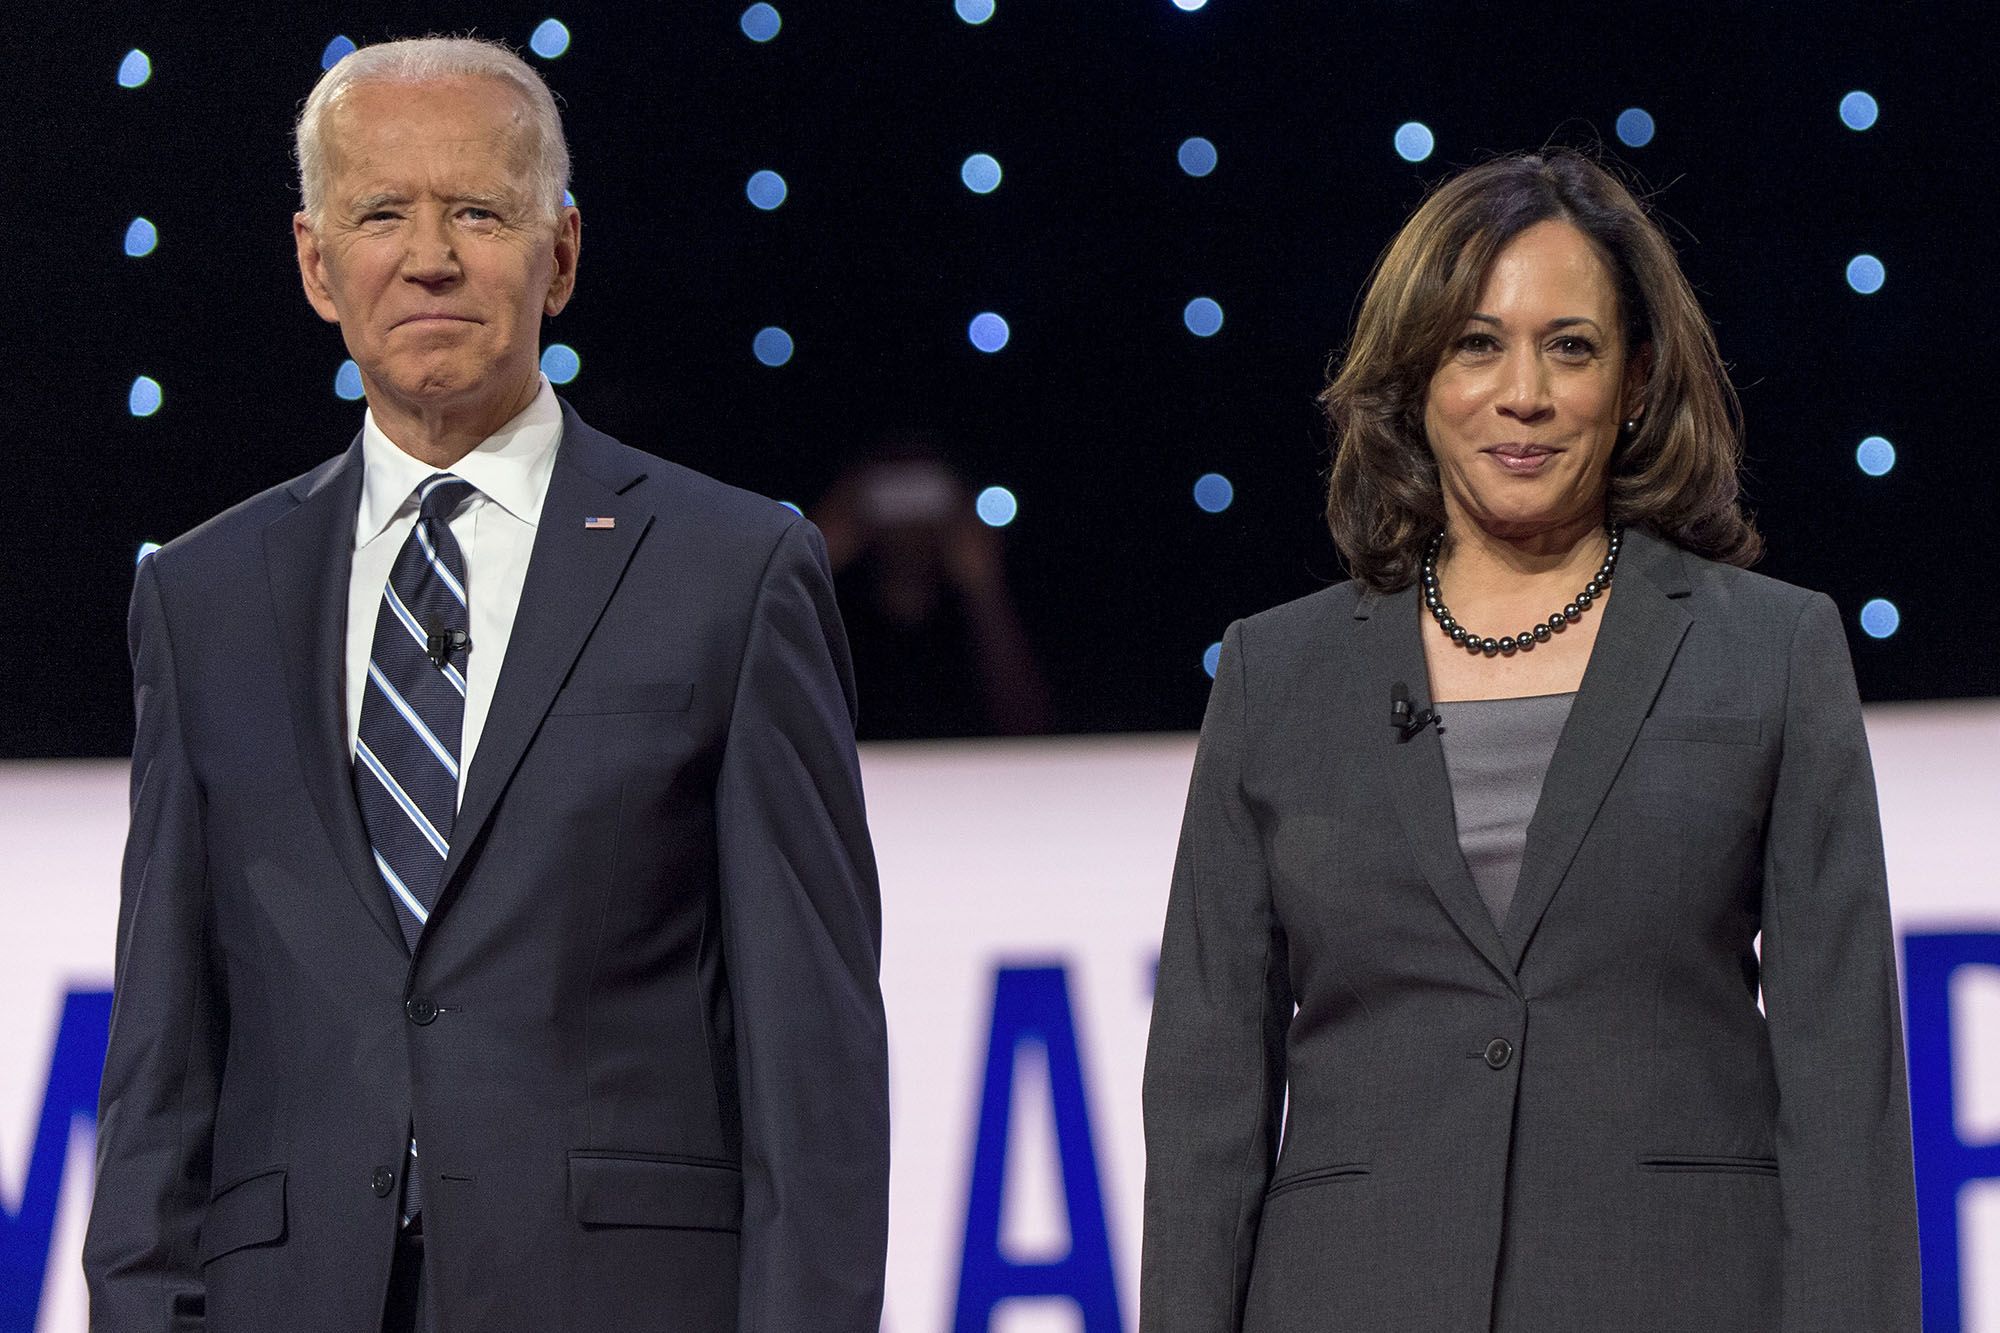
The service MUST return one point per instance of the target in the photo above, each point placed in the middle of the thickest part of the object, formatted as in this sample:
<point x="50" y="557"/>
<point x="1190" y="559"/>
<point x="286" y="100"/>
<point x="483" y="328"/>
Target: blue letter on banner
<point x="1031" y="1004"/>
<point x="74" y="1070"/>
<point x="1945" y="1162"/>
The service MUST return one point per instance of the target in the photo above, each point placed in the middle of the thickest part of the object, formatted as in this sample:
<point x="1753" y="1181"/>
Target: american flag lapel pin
<point x="600" y="524"/>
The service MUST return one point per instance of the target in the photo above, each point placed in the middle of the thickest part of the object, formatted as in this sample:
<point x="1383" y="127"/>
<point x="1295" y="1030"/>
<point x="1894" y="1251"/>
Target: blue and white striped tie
<point x="412" y="720"/>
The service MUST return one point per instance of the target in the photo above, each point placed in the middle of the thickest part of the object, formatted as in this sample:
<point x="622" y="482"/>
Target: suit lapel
<point x="572" y="573"/>
<point x="1392" y="652"/>
<point x="308" y="554"/>
<point x="1644" y="622"/>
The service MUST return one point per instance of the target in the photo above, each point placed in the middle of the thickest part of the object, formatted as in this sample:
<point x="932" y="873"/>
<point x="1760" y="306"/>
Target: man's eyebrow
<point x="368" y="203"/>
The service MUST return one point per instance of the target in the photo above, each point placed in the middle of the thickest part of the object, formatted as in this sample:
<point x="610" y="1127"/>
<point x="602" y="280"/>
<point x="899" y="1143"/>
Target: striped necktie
<point x="412" y="720"/>
<point x="413" y="712"/>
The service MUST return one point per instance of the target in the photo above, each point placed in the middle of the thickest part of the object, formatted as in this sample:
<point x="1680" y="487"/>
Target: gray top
<point x="1496" y="752"/>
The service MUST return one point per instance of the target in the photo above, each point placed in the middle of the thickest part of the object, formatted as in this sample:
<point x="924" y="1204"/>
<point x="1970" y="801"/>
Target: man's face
<point x="432" y="256"/>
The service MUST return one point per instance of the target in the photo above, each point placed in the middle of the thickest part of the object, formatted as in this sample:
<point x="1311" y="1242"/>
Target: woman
<point x="1480" y="844"/>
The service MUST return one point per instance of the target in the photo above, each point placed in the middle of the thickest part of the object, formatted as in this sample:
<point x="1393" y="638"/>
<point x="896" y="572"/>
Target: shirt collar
<point x="511" y="467"/>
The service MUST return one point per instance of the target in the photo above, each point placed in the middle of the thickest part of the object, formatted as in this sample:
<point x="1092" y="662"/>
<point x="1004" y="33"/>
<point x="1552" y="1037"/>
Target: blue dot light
<point x="1858" y="111"/>
<point x="1880" y="618"/>
<point x="1213" y="493"/>
<point x="1211" y="658"/>
<point x="1635" y="127"/>
<point x="549" y="39"/>
<point x="1414" y="141"/>
<point x="988" y="331"/>
<point x="760" y="23"/>
<point x="794" y="508"/>
<point x="141" y="238"/>
<point x="767" y="189"/>
<point x="996" y="506"/>
<point x="347" y="382"/>
<point x="561" y="363"/>
<point x="1196" y="156"/>
<point x="134" y="69"/>
<point x="1875" y="456"/>
<point x="145" y="398"/>
<point x="1189" y="6"/>
<point x="1203" y="317"/>
<point x="1865" y="274"/>
<point x="145" y="549"/>
<point x="772" y="346"/>
<point x="336" y="51"/>
<point x="974" y="12"/>
<point x="569" y="199"/>
<point x="981" y="173"/>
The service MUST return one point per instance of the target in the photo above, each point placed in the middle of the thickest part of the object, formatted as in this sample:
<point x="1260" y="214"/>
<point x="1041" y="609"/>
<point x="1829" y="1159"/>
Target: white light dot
<point x="1880" y="618"/>
<point x="1875" y="456"/>
<point x="140" y="238"/>
<point x="561" y="363"/>
<point x="550" y="39"/>
<point x="981" y="173"/>
<point x="767" y="189"/>
<point x="760" y="23"/>
<point x="989" y="332"/>
<point x="134" y="69"/>
<point x="1203" y="317"/>
<point x="1858" y="111"/>
<point x="974" y="12"/>
<point x="1414" y="141"/>
<point x="1211" y="658"/>
<point x="145" y="397"/>
<point x="1197" y="156"/>
<point x="1865" y="274"/>
<point x="996" y="506"/>
<point x="772" y="346"/>
<point x="145" y="549"/>
<point x="347" y="382"/>
<point x="1213" y="493"/>
<point x="336" y="51"/>
<point x="1189" y="6"/>
<point x="1635" y="127"/>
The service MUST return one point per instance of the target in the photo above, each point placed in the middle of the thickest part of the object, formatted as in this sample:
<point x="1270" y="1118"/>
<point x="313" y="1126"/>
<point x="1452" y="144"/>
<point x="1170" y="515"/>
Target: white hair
<point x="432" y="60"/>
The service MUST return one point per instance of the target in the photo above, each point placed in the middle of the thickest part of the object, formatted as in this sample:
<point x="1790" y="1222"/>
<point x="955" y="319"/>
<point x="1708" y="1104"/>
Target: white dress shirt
<point x="495" y="531"/>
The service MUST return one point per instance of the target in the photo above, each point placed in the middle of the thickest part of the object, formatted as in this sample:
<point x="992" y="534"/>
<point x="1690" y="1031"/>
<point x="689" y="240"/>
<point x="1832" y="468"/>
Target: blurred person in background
<point x="939" y="648"/>
<point x="1528" y="963"/>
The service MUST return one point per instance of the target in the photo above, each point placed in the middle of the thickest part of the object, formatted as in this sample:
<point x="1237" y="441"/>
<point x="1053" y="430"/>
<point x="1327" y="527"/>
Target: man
<point x="499" y="930"/>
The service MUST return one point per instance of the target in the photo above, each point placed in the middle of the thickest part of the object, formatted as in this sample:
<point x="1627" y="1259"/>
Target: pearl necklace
<point x="1527" y="639"/>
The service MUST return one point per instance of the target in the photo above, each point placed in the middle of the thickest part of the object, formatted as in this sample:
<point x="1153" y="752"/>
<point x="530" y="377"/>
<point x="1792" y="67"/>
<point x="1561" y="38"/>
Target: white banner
<point x="1023" y="887"/>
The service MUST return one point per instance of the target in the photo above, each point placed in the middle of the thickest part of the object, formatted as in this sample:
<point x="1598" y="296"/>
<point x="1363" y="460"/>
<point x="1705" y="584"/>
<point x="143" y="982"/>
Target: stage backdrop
<point x="1023" y="886"/>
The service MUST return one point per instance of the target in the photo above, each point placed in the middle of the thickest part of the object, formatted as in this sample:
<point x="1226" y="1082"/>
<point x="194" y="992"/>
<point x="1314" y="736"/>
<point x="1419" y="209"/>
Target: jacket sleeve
<point x="162" y="1069"/>
<point x="1831" y="998"/>
<point x="1215" y="1062"/>
<point x="802" y="933"/>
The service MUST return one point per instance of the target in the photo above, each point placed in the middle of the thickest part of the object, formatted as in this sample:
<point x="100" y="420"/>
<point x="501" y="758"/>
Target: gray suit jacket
<point x="641" y="1038"/>
<point x="1580" y="1121"/>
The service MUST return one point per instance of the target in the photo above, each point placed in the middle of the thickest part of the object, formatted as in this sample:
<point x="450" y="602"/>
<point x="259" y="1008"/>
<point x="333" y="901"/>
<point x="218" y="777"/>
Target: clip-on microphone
<point x="1407" y="722"/>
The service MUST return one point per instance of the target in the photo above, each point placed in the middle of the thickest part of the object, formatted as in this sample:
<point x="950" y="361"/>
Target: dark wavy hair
<point x="1676" y="474"/>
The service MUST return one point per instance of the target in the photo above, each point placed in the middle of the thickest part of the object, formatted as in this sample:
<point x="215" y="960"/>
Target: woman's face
<point x="1523" y="412"/>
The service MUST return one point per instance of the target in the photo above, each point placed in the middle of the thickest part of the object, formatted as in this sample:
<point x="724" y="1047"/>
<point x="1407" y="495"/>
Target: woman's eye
<point x="1477" y="342"/>
<point x="1575" y="347"/>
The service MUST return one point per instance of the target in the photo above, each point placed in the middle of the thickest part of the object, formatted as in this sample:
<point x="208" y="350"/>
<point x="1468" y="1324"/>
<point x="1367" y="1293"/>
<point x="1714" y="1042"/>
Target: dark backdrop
<point x="1103" y="409"/>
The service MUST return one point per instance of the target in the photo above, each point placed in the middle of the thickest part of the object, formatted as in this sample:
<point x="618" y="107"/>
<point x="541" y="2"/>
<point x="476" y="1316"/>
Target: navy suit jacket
<point x="641" y="1039"/>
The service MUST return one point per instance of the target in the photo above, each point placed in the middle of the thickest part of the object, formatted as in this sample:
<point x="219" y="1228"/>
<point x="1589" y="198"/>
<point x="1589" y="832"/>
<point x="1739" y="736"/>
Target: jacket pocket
<point x="1318" y="1175"/>
<point x="617" y="1189"/>
<point x="1715" y="728"/>
<point x="663" y="696"/>
<point x="248" y="1211"/>
<point x="1737" y="1166"/>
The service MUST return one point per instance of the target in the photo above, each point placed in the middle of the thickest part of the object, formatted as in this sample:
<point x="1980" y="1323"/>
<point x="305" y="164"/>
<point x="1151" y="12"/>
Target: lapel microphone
<point x="1407" y="722"/>
<point x="442" y="643"/>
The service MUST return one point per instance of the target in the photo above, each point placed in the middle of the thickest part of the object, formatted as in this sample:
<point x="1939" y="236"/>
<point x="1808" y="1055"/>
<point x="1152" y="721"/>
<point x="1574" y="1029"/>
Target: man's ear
<point x="569" y="243"/>
<point x="312" y="269"/>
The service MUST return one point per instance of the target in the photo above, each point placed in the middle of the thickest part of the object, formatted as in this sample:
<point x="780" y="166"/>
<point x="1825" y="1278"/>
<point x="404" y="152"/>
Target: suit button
<point x="420" y="1010"/>
<point x="1498" y="1053"/>
<point x="384" y="1180"/>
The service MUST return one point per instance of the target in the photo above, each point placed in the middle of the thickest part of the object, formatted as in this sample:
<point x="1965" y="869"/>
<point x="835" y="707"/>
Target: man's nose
<point x="430" y="256"/>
